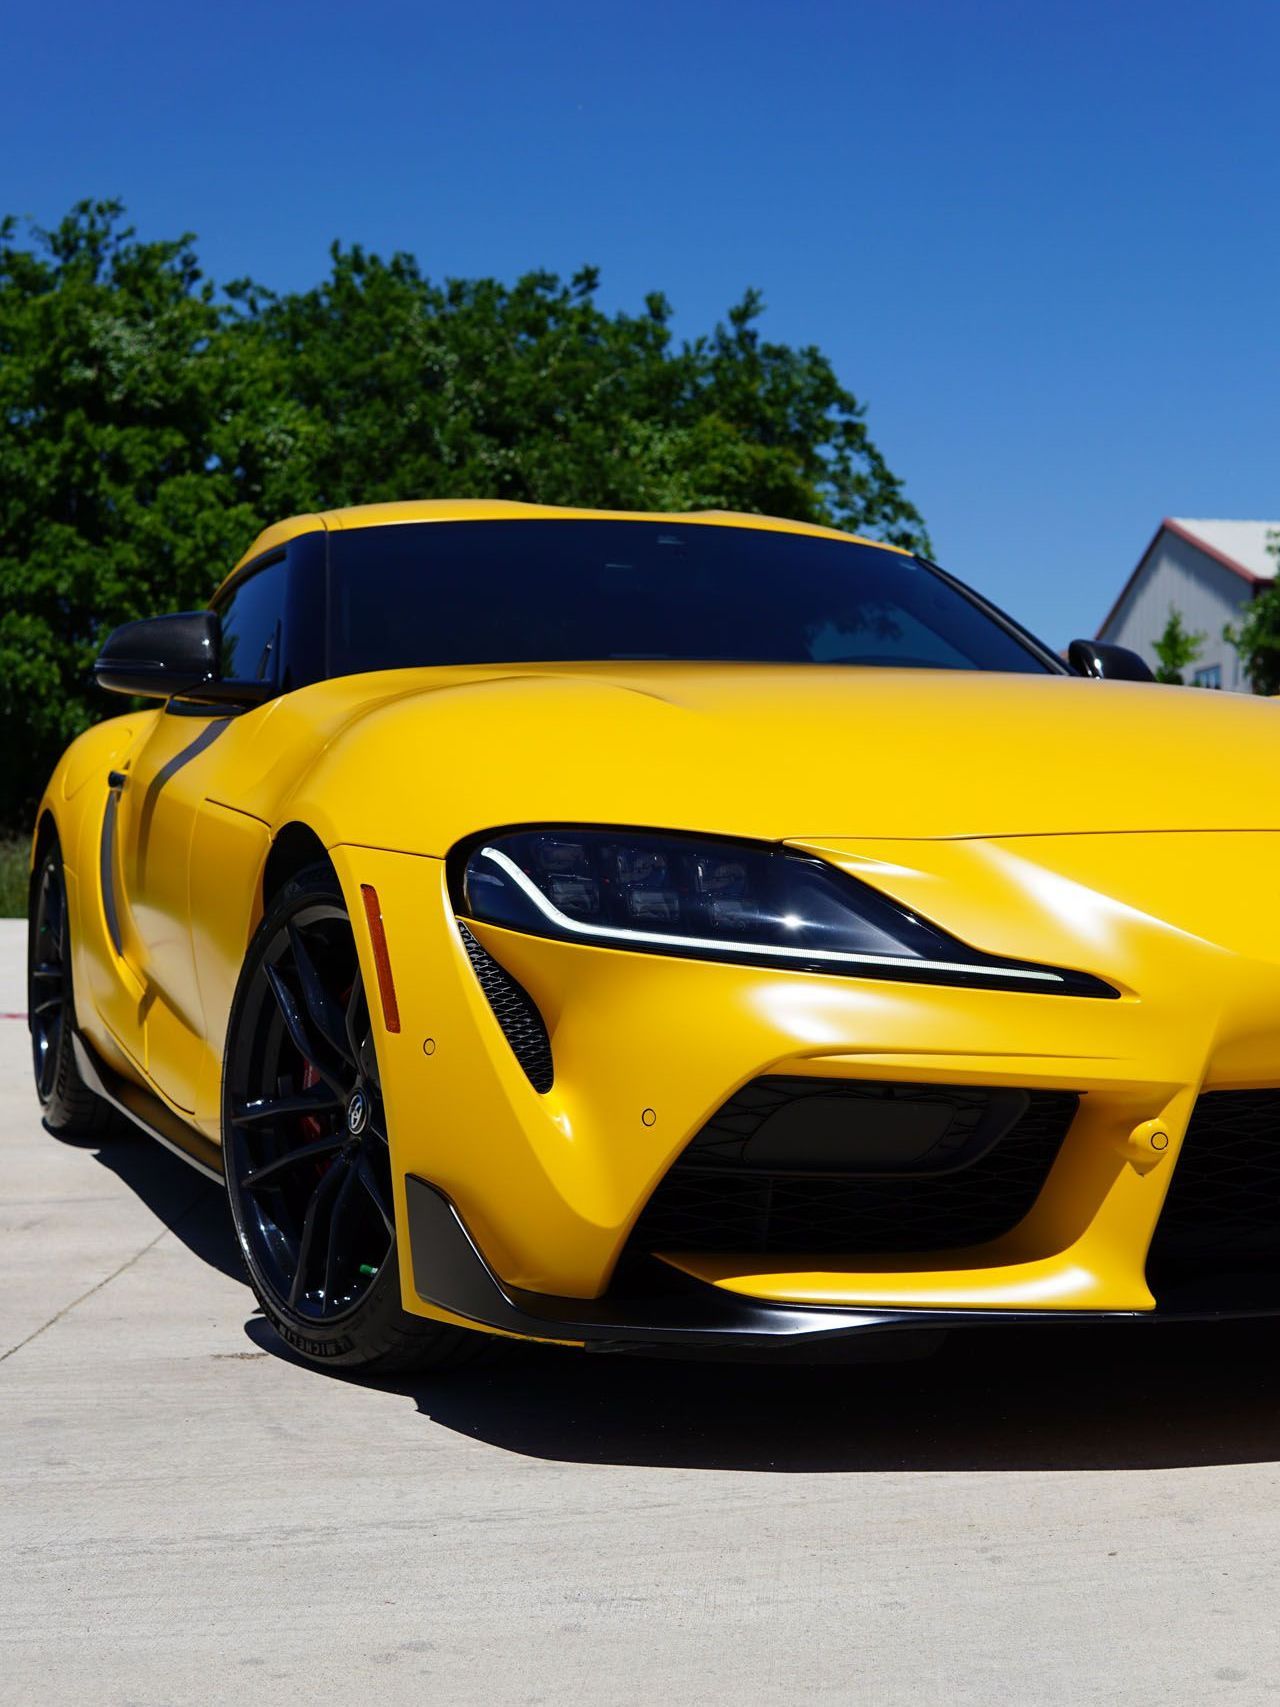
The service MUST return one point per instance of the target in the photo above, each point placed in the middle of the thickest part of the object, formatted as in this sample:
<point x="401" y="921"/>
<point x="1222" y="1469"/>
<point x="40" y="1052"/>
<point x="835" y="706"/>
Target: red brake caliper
<point x="309" y="1124"/>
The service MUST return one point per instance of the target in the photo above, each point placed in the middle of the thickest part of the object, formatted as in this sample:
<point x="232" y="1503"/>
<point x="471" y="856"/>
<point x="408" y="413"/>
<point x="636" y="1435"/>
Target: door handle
<point x="116" y="779"/>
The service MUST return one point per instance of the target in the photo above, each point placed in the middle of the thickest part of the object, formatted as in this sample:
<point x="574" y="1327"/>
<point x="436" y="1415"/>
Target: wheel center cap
<point x="357" y="1113"/>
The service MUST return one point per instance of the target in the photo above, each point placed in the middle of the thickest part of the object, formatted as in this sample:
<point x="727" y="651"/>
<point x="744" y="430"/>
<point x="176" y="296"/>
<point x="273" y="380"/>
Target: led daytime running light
<point x="702" y="945"/>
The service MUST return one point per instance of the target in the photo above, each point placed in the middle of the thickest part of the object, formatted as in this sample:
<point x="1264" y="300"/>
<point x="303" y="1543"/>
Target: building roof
<point x="1238" y="546"/>
<point x="1241" y="546"/>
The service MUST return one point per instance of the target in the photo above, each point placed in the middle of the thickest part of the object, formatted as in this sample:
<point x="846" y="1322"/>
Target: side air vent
<point x="515" y="1011"/>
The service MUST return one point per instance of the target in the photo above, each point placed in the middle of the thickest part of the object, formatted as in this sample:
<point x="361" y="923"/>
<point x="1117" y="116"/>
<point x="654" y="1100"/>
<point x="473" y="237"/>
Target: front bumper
<point x="548" y="1186"/>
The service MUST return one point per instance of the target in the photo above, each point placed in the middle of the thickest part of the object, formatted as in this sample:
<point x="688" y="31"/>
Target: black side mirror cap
<point x="162" y="655"/>
<point x="1110" y="663"/>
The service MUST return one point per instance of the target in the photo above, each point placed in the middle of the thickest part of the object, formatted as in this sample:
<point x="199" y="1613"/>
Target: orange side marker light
<point x="381" y="959"/>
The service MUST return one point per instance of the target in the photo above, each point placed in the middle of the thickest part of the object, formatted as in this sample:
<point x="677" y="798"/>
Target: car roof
<point x="501" y="509"/>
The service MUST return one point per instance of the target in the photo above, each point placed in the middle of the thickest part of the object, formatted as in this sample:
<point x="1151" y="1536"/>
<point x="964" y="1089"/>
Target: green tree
<point x="153" y="423"/>
<point x="117" y="491"/>
<point x="1176" y="649"/>
<point x="531" y="391"/>
<point x="1256" y="637"/>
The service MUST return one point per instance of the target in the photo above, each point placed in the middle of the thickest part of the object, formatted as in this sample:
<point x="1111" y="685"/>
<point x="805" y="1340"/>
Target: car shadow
<point x="1142" y="1396"/>
<point x="192" y="1207"/>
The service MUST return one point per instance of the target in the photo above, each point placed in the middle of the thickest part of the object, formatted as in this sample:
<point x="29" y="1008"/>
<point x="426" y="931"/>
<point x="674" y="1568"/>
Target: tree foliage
<point x="1177" y="649"/>
<point x="152" y="424"/>
<point x="1256" y="637"/>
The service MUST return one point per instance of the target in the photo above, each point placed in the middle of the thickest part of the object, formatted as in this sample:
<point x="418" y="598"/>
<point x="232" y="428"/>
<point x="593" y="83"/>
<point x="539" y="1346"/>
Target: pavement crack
<point x="106" y="1279"/>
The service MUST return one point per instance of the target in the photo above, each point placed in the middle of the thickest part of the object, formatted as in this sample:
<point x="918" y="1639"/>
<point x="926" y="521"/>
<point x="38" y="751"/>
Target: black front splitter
<point x="682" y="1316"/>
<point x="450" y="1271"/>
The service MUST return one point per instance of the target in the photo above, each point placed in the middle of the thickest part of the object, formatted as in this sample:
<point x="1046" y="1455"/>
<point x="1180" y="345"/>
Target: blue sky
<point x="1039" y="240"/>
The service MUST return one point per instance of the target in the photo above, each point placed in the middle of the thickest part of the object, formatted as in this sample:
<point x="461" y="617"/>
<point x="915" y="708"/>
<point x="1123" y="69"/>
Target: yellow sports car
<point x="683" y="933"/>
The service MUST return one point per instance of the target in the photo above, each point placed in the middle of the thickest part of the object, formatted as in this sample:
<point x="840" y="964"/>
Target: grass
<point x="14" y="852"/>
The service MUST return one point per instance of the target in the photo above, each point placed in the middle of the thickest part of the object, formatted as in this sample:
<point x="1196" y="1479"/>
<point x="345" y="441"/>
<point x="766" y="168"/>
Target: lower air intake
<point x="515" y="1011"/>
<point x="849" y="1167"/>
<point x="1222" y="1213"/>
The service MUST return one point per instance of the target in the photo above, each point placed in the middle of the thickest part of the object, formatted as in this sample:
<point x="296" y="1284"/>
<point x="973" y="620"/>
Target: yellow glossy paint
<point x="1044" y="818"/>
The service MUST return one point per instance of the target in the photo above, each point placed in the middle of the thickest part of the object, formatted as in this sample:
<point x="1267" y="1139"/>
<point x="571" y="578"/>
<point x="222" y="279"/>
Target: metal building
<point x="1207" y="571"/>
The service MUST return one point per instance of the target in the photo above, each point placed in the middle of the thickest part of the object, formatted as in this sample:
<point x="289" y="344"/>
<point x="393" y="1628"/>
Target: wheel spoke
<point x="318" y="1100"/>
<point x="361" y="1047"/>
<point x="371" y="1186"/>
<point x="267" y="1174"/>
<point x="349" y="1018"/>
<point x="335" y="1219"/>
<point x="295" y="1025"/>
<point x="323" y="1009"/>
<point x="323" y="1188"/>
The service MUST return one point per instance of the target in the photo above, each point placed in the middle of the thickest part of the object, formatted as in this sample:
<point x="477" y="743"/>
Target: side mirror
<point x="1110" y="663"/>
<point x="164" y="656"/>
<point x="161" y="655"/>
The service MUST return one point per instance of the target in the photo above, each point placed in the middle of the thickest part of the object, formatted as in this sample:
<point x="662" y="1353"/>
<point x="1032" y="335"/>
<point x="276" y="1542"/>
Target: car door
<point x="154" y="1005"/>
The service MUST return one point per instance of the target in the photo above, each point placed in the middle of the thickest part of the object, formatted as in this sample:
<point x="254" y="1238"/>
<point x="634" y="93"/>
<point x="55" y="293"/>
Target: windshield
<point x="510" y="592"/>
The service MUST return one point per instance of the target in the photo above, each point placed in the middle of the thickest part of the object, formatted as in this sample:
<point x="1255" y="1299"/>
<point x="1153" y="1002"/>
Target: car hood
<point x="417" y="759"/>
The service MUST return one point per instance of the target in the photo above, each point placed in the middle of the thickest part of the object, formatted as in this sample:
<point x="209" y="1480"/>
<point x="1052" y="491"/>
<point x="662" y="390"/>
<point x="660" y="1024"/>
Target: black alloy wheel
<point x="305" y="1145"/>
<point x="47" y="975"/>
<point x="68" y="1107"/>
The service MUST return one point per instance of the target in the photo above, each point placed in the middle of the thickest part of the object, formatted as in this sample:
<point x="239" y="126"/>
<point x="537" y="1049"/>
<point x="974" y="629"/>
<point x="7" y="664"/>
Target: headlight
<point x="740" y="901"/>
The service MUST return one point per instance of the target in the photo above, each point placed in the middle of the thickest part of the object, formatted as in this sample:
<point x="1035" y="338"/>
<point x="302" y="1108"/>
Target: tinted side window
<point x="251" y="623"/>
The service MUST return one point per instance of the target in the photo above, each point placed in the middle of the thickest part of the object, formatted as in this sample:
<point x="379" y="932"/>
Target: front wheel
<point x="305" y="1148"/>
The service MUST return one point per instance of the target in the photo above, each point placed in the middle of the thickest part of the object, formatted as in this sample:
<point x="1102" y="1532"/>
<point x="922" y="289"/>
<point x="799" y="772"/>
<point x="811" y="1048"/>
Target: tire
<point x="305" y="1149"/>
<point x="69" y="1109"/>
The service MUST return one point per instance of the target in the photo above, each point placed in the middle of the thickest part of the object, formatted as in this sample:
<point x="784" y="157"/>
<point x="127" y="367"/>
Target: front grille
<point x="515" y="1011"/>
<point x="849" y="1166"/>
<point x="1222" y="1213"/>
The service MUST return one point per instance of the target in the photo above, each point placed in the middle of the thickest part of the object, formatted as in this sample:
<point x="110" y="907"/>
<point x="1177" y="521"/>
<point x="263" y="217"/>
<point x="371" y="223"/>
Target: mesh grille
<point x="712" y="1200"/>
<point x="515" y="1012"/>
<point x="1222" y="1213"/>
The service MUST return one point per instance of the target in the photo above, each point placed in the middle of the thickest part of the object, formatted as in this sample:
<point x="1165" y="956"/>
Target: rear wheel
<point x="68" y="1106"/>
<point x="305" y="1147"/>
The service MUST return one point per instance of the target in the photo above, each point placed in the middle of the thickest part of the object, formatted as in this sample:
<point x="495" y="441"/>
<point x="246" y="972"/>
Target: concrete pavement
<point x="187" y="1516"/>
